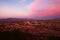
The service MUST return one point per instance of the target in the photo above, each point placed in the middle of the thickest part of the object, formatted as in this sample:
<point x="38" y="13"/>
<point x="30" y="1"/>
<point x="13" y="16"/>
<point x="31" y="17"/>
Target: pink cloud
<point x="37" y="9"/>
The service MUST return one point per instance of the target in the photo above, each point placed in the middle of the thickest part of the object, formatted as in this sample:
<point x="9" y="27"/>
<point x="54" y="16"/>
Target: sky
<point x="36" y="9"/>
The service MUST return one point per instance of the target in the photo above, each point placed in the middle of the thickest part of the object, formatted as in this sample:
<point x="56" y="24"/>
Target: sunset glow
<point x="29" y="8"/>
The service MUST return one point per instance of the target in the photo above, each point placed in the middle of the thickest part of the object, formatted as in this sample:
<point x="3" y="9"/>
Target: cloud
<point x="36" y="9"/>
<point x="40" y="8"/>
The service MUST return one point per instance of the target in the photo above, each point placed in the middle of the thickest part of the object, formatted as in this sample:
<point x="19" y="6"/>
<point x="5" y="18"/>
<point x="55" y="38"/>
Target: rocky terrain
<point x="30" y="30"/>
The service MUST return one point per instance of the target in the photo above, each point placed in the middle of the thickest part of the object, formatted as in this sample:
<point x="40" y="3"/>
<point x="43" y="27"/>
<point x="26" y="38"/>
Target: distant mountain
<point x="15" y="19"/>
<point x="23" y="19"/>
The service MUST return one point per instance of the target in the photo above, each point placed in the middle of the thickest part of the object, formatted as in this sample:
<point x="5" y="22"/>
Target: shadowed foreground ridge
<point x="30" y="30"/>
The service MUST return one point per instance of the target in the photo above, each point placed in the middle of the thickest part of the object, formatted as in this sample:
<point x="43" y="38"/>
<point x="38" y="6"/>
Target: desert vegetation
<point x="30" y="30"/>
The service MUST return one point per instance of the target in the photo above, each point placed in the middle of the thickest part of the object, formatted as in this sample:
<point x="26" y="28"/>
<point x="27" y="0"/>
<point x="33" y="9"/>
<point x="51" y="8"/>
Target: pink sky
<point x="36" y="8"/>
<point x="43" y="10"/>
